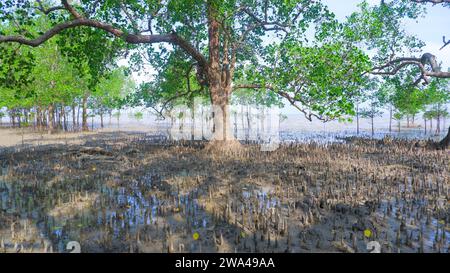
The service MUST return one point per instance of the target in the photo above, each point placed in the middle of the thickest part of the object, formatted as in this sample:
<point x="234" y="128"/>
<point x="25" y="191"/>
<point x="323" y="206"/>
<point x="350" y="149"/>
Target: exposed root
<point x="224" y="146"/>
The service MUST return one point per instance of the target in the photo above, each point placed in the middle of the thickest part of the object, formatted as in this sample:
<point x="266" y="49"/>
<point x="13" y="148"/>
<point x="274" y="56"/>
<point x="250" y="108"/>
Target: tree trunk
<point x="193" y="122"/>
<point x="38" y="118"/>
<point x="50" y="122"/>
<point x="203" y="122"/>
<point x="371" y="121"/>
<point x="431" y="125"/>
<point x="262" y="128"/>
<point x="357" y="119"/>
<point x="390" y="119"/>
<point x="425" y="122"/>
<point x="249" y="124"/>
<point x="242" y="120"/>
<point x="219" y="76"/>
<point x="172" y="123"/>
<point x="25" y="114"/>
<point x="73" y="117"/>
<point x="58" y="115"/>
<point x="78" y="117"/>
<point x="19" y="121"/>
<point x="101" y="119"/>
<point x="118" y="119"/>
<point x="84" y="124"/>
<point x="438" y="124"/>
<point x="445" y="143"/>
<point x="64" y="122"/>
<point x="13" y="116"/>
<point x="235" y="125"/>
<point x="221" y="111"/>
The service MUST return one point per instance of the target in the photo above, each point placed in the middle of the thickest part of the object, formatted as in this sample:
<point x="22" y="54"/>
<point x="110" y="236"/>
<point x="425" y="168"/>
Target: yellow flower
<point x="196" y="236"/>
<point x="368" y="233"/>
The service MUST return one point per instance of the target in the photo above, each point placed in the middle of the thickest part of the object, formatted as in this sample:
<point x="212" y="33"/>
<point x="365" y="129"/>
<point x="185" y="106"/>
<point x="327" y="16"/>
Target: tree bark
<point x="58" y="115"/>
<point x="64" y="120"/>
<point x="38" y="118"/>
<point x="73" y="117"/>
<point x="390" y="119"/>
<point x="13" y="116"/>
<point x="78" y="117"/>
<point x="84" y="124"/>
<point x="235" y="125"/>
<point x="219" y="79"/>
<point x="193" y="122"/>
<point x="371" y="121"/>
<point x="357" y="118"/>
<point x="438" y="120"/>
<point x="425" y="122"/>
<point x="249" y="124"/>
<point x="50" y="123"/>
<point x="19" y="121"/>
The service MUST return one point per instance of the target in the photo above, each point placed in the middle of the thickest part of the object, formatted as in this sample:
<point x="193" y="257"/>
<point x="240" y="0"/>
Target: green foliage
<point x="379" y="28"/>
<point x="324" y="79"/>
<point x="138" y="116"/>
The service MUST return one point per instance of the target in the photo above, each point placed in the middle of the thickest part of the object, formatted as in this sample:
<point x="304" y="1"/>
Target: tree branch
<point x="446" y="43"/>
<point x="71" y="9"/>
<point x="432" y="1"/>
<point x="49" y="10"/>
<point x="172" y="38"/>
<point x="394" y="66"/>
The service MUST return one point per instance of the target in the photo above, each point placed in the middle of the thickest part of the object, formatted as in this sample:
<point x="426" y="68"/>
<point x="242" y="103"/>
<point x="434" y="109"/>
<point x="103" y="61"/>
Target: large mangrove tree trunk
<point x="219" y="76"/>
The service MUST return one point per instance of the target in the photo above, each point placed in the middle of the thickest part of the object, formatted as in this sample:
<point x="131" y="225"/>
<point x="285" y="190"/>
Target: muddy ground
<point x="140" y="194"/>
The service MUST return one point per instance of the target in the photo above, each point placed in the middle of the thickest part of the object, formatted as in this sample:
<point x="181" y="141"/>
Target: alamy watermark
<point x="254" y="123"/>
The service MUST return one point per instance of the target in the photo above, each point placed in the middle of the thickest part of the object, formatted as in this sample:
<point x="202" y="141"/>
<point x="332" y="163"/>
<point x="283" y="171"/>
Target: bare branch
<point x="446" y="43"/>
<point x="394" y="66"/>
<point x="49" y="10"/>
<point x="432" y="1"/>
<point x="71" y="9"/>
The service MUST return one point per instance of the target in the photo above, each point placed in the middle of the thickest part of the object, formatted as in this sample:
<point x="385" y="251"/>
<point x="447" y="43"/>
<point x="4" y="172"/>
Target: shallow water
<point x="146" y="213"/>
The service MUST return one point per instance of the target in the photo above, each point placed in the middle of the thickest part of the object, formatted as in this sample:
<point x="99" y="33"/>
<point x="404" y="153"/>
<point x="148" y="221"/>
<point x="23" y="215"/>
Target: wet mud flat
<point x="135" y="195"/>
